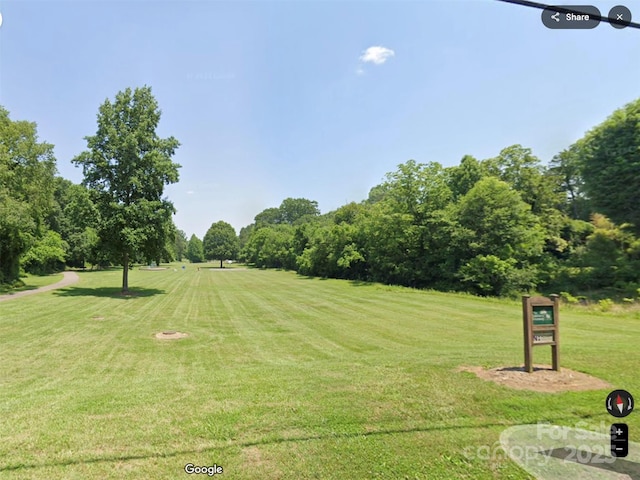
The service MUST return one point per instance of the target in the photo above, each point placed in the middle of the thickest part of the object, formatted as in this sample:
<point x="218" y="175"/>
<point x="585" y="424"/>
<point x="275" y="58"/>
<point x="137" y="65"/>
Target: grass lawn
<point x="32" y="282"/>
<point x="281" y="377"/>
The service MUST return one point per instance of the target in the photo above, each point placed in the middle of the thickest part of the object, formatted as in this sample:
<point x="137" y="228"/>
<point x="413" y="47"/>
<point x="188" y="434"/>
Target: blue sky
<point x="281" y="99"/>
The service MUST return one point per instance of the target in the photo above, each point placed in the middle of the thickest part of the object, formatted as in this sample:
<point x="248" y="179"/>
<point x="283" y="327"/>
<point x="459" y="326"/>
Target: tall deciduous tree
<point x="500" y="222"/>
<point x="73" y="218"/>
<point x="610" y="165"/>
<point x="195" y="253"/>
<point x="290" y="211"/>
<point x="27" y="169"/>
<point x="505" y="239"/>
<point x="127" y="167"/>
<point x="295" y="209"/>
<point x="522" y="170"/>
<point x="269" y="216"/>
<point x="565" y="167"/>
<point x="220" y="242"/>
<point x="180" y="245"/>
<point x="463" y="177"/>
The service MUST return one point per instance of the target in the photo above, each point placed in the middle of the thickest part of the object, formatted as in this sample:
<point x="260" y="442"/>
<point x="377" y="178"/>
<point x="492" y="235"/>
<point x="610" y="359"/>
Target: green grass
<point x="32" y="282"/>
<point x="281" y="377"/>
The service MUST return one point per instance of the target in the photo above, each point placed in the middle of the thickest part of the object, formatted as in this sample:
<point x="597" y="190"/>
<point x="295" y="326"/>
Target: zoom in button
<point x="571" y="17"/>
<point x="619" y="440"/>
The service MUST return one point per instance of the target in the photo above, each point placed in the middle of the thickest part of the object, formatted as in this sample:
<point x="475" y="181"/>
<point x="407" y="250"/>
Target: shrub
<point x="46" y="255"/>
<point x="567" y="297"/>
<point x="605" y="305"/>
<point x="489" y="275"/>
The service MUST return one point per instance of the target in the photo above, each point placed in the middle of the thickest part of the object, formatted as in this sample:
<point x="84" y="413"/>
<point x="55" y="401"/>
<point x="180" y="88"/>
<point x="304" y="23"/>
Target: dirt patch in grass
<point x="542" y="379"/>
<point x="254" y="461"/>
<point x="170" y="335"/>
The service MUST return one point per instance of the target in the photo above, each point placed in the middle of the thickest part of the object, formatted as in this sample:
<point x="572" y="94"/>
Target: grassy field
<point x="281" y="377"/>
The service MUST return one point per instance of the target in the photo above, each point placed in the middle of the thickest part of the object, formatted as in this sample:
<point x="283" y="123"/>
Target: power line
<point x="561" y="9"/>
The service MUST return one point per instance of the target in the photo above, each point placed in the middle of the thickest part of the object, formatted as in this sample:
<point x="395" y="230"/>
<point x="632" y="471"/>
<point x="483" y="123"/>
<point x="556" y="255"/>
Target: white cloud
<point x="376" y="55"/>
<point x="360" y="71"/>
<point x="190" y="192"/>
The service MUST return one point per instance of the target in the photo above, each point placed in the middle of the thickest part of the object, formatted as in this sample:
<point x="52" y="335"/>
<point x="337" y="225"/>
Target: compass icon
<point x="619" y="403"/>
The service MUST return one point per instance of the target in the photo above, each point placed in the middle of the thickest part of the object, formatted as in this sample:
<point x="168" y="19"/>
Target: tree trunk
<point x="125" y="274"/>
<point x="221" y="264"/>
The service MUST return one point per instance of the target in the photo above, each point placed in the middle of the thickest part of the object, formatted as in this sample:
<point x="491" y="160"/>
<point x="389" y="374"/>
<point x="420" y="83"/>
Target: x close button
<point x="619" y="16"/>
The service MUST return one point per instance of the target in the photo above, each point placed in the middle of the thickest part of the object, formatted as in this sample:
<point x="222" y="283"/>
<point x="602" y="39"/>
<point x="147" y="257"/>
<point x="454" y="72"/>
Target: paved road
<point x="69" y="278"/>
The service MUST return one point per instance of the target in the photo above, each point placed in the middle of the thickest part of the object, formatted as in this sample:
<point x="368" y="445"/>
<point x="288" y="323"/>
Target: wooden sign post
<point x="541" y="327"/>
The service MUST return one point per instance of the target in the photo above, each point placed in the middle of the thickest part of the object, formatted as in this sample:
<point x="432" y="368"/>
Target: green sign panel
<point x="542" y="316"/>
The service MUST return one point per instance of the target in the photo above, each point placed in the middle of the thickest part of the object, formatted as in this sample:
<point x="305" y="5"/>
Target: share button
<point x="571" y="17"/>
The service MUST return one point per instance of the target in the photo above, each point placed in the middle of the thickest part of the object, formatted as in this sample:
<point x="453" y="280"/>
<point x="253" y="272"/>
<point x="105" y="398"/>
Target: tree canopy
<point x="290" y="211"/>
<point x="27" y="169"/>
<point x="126" y="168"/>
<point x="499" y="226"/>
<point x="609" y="162"/>
<point x="220" y="242"/>
<point x="195" y="252"/>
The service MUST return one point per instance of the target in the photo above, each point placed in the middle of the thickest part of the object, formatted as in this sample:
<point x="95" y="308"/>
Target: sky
<point x="319" y="100"/>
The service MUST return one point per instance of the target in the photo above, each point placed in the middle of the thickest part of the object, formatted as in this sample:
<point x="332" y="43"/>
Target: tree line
<point x="497" y="226"/>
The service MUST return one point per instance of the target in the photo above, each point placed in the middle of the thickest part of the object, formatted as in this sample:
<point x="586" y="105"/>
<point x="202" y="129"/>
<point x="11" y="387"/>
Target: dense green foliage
<point x="220" y="242"/>
<point x="27" y="169"/>
<point x="610" y="165"/>
<point x="195" y="252"/>
<point x="47" y="222"/>
<point x="74" y="217"/>
<point x="500" y="226"/>
<point x="180" y="245"/>
<point x="126" y="168"/>
<point x="46" y="255"/>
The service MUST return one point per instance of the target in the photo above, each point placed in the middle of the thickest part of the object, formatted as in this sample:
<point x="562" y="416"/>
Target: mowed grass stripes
<point x="281" y="376"/>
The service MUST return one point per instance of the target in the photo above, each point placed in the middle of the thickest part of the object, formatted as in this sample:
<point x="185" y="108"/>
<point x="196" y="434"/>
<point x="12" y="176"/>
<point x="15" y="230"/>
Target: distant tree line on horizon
<point x="499" y="226"/>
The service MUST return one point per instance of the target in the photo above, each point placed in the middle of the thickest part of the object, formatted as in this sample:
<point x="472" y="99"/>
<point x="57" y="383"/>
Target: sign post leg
<point x="528" y="363"/>
<point x="554" y="358"/>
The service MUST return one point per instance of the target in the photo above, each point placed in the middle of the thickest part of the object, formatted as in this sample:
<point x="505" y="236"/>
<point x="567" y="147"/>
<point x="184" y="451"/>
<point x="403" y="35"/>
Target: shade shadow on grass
<point x="111" y="292"/>
<point x="266" y="441"/>
<point x="310" y="277"/>
<point x="90" y="270"/>
<point x="11" y="291"/>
